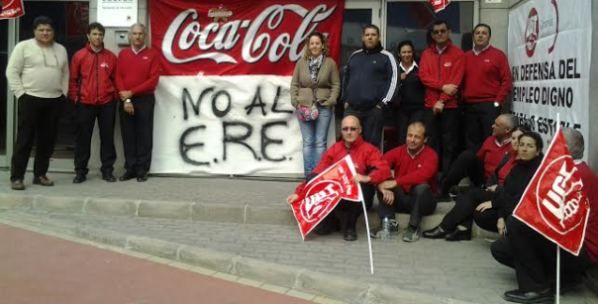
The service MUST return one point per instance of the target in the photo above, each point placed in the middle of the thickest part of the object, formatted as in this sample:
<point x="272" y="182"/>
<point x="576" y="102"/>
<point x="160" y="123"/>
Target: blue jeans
<point x="315" y="136"/>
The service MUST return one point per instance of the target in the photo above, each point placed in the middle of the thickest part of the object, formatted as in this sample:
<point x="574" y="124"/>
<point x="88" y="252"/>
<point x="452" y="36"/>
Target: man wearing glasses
<point x="371" y="171"/>
<point x="441" y="72"/>
<point x="37" y="74"/>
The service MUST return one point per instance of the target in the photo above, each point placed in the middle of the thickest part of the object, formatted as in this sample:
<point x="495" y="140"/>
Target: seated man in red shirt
<point x="533" y="256"/>
<point x="415" y="167"/>
<point x="479" y="167"/>
<point x="371" y="169"/>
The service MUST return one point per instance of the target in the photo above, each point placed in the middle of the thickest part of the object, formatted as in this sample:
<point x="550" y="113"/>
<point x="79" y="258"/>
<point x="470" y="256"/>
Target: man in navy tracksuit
<point x="370" y="81"/>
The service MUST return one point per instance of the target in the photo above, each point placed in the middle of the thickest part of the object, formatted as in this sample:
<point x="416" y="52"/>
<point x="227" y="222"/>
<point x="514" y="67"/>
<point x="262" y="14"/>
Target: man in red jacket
<point x="371" y="170"/>
<point x="136" y="79"/>
<point x="92" y="88"/>
<point x="486" y="84"/>
<point x="441" y="71"/>
<point x="415" y="167"/>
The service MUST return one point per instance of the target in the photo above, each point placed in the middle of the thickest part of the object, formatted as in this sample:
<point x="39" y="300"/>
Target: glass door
<point x="4" y="96"/>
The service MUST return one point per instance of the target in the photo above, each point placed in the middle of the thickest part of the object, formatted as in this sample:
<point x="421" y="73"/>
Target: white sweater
<point x="38" y="71"/>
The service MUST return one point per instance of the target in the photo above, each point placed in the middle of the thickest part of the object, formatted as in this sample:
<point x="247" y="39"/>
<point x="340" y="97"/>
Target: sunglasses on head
<point x="346" y="129"/>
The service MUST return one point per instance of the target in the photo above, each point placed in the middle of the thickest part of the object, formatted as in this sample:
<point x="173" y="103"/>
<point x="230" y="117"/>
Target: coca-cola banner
<point x="238" y="37"/>
<point x="321" y="195"/>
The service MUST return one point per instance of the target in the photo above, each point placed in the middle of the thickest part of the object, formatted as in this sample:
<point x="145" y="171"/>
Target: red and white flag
<point x="321" y="195"/>
<point x="438" y="5"/>
<point x="11" y="9"/>
<point x="555" y="203"/>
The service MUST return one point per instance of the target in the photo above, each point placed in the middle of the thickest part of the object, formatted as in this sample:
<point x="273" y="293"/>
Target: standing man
<point x="486" y="84"/>
<point x="37" y="74"/>
<point x="370" y="82"/>
<point x="92" y="88"/>
<point x="136" y="79"/>
<point x="441" y="72"/>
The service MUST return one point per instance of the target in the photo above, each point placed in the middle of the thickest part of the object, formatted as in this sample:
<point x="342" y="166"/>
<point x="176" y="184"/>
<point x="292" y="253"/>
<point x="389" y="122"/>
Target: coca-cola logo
<point x="188" y="40"/>
<point x="319" y="199"/>
<point x="559" y="195"/>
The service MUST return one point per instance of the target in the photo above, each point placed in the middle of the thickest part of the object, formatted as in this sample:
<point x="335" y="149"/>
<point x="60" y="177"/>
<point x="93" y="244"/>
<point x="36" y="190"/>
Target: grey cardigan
<point x="327" y="88"/>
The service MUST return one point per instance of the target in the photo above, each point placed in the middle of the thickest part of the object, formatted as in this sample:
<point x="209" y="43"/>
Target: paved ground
<point x="453" y="272"/>
<point x="41" y="269"/>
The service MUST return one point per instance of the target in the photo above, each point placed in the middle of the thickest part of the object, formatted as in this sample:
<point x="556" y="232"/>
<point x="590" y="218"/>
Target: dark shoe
<point x="43" y="180"/>
<point x="412" y="234"/>
<point x="388" y="228"/>
<point x="127" y="176"/>
<point x="435" y="233"/>
<point x="530" y="297"/>
<point x="350" y="235"/>
<point x="109" y="177"/>
<point x="17" y="184"/>
<point x="142" y="178"/>
<point x="79" y="178"/>
<point x="458" y="235"/>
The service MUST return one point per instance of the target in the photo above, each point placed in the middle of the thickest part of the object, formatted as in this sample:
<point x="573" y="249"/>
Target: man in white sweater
<point x="38" y="75"/>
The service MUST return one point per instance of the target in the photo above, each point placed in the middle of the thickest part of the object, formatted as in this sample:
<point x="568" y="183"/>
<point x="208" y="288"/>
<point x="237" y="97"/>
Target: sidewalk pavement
<point x="244" y="228"/>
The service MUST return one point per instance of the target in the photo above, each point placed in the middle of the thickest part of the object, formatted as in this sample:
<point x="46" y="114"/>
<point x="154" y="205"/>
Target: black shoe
<point x="109" y="177"/>
<point x="79" y="178"/>
<point x="127" y="176"/>
<point x="435" y="233"/>
<point x="43" y="180"/>
<point x="17" y="184"/>
<point x="530" y="297"/>
<point x="350" y="235"/>
<point x="142" y="178"/>
<point x="458" y="235"/>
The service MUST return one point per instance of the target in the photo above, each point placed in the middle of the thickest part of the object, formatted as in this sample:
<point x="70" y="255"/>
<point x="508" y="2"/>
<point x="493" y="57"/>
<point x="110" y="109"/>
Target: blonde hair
<point x="306" y="53"/>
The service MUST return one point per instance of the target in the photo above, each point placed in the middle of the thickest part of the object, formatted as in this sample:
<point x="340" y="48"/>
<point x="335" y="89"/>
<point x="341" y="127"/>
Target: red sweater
<point x="506" y="168"/>
<point x="487" y="76"/>
<point x="367" y="159"/>
<point x="590" y="184"/>
<point x="491" y="153"/>
<point x="436" y="70"/>
<point x="139" y="72"/>
<point x="413" y="170"/>
<point x="92" y="76"/>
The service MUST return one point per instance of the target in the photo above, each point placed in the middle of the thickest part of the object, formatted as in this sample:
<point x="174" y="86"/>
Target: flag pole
<point x="557" y="295"/>
<point x="367" y="227"/>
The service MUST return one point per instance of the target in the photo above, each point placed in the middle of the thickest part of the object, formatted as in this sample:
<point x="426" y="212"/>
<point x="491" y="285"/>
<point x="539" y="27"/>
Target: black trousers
<point x="403" y="117"/>
<point x="346" y="213"/>
<point x="443" y="135"/>
<point x="464" y="213"/>
<point x="137" y="132"/>
<point x="467" y="164"/>
<point x="372" y="122"/>
<point x="479" y="118"/>
<point x="534" y="258"/>
<point x="37" y="122"/>
<point x="419" y="202"/>
<point x="86" y="119"/>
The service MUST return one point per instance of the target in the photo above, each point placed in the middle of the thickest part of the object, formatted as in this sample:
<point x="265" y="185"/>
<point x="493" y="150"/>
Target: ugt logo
<point x="319" y="198"/>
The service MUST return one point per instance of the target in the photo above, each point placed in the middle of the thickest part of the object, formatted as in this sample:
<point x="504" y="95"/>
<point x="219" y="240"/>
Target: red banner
<point x="438" y="5"/>
<point x="324" y="192"/>
<point x="11" y="9"/>
<point x="238" y="37"/>
<point x="555" y="203"/>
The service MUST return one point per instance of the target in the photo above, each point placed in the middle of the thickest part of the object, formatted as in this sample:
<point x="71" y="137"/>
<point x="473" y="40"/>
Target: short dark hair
<point x="96" y="26"/>
<point x="483" y="25"/>
<point x="371" y="26"/>
<point x="536" y="137"/>
<point x="404" y="43"/>
<point x="42" y="20"/>
<point x="440" y="22"/>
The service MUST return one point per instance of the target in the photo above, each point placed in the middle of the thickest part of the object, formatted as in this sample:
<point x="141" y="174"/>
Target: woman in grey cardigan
<point x="315" y="86"/>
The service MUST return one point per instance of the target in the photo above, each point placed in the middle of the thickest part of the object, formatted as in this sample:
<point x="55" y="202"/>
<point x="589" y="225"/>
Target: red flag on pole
<point x="12" y="9"/>
<point x="319" y="197"/>
<point x="555" y="203"/>
<point x="438" y="5"/>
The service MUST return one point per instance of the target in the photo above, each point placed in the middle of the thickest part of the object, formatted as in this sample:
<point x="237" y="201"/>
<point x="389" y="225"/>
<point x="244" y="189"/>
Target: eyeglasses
<point x="436" y="32"/>
<point x="347" y="129"/>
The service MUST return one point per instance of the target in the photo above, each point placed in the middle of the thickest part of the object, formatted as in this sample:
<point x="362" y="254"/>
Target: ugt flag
<point x="321" y="195"/>
<point x="10" y="9"/>
<point x="438" y="5"/>
<point x="555" y="203"/>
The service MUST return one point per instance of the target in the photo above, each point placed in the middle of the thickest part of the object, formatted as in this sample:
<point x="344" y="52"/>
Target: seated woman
<point x="477" y="204"/>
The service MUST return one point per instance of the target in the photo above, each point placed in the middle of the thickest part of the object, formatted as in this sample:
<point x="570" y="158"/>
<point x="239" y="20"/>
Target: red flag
<point x="321" y="195"/>
<point x="438" y="5"/>
<point x="555" y="203"/>
<point x="12" y="9"/>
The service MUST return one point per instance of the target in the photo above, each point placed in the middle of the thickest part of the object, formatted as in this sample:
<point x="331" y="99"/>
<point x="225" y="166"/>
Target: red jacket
<point x="367" y="159"/>
<point x="92" y="76"/>
<point x="590" y="184"/>
<point x="487" y="76"/>
<point x="491" y="153"/>
<point x="436" y="70"/>
<point x="139" y="72"/>
<point x="413" y="170"/>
